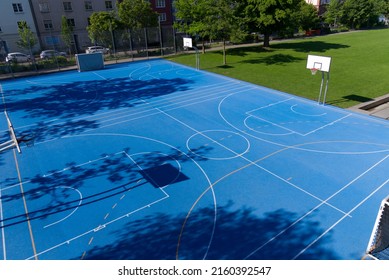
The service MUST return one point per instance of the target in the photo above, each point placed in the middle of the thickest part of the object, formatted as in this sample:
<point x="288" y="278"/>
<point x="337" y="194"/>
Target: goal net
<point x="90" y="61"/>
<point x="378" y="247"/>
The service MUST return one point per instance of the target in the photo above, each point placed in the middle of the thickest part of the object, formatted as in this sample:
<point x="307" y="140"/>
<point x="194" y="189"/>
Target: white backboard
<point x="321" y="63"/>
<point x="188" y="42"/>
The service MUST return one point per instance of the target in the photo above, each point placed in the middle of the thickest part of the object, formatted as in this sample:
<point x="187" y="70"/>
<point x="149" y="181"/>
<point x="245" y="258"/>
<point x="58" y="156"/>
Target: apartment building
<point x="12" y="13"/>
<point x="319" y="4"/>
<point x="45" y="16"/>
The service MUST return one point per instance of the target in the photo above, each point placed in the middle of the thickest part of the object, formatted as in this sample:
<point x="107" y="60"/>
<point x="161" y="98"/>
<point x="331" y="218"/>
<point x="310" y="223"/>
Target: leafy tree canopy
<point x="137" y="14"/>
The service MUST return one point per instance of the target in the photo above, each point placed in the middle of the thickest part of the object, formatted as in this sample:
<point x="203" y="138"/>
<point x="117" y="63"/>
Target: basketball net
<point x="314" y="71"/>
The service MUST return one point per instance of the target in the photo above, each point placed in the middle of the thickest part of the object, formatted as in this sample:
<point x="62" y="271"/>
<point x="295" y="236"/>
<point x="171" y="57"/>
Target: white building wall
<point x="9" y="23"/>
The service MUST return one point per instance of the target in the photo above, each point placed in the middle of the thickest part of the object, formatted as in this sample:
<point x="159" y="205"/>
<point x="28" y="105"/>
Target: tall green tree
<point x="334" y="12"/>
<point x="67" y="33"/>
<point x="191" y="18"/>
<point x="361" y="13"/>
<point x="212" y="19"/>
<point x="273" y="16"/>
<point x="27" y="39"/>
<point x="101" y="27"/>
<point x="307" y="16"/>
<point x="137" y="14"/>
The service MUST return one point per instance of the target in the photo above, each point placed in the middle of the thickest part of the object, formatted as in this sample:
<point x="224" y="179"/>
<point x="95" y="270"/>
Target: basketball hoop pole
<point x="197" y="58"/>
<point x="317" y="63"/>
<point x="320" y="101"/>
<point x="188" y="44"/>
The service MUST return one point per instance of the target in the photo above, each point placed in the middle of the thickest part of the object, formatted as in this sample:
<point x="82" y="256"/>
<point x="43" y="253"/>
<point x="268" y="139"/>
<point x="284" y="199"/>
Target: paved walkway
<point x="378" y="107"/>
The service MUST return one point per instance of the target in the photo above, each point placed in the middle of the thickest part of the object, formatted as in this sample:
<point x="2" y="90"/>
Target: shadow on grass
<point x="348" y="98"/>
<point x="277" y="59"/>
<point x="310" y="46"/>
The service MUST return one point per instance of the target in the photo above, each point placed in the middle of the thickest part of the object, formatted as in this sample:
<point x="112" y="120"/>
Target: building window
<point x="67" y="6"/>
<point x="162" y="17"/>
<point x="108" y="5"/>
<point x="44" y="7"/>
<point x="88" y="6"/>
<point x="18" y="7"/>
<point x="160" y="4"/>
<point x="48" y="24"/>
<point x="71" y="22"/>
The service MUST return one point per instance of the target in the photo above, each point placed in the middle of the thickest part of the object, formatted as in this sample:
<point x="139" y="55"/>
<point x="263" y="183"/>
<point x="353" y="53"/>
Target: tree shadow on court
<point x="45" y="132"/>
<point x="73" y="99"/>
<point x="64" y="102"/>
<point x="239" y="234"/>
<point x="117" y="172"/>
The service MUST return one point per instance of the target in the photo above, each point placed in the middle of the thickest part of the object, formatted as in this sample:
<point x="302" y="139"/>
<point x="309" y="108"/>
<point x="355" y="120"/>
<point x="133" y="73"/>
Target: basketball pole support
<point x="320" y="101"/>
<point x="197" y="58"/>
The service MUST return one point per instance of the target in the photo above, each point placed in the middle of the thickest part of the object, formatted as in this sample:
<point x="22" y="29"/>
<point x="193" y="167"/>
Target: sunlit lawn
<point x="359" y="68"/>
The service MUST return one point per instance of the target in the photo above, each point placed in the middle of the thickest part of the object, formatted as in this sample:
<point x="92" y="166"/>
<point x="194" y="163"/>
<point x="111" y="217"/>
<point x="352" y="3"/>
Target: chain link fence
<point x="124" y="45"/>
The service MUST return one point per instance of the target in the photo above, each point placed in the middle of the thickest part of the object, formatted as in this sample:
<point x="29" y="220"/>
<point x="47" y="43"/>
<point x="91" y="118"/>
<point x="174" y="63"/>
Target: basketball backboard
<point x="321" y="63"/>
<point x="188" y="42"/>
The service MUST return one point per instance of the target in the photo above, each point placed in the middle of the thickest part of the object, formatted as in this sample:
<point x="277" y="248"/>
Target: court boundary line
<point x="133" y="212"/>
<point x="165" y="195"/>
<point x="25" y="205"/>
<point x="286" y="147"/>
<point x="296" y="132"/>
<point x="279" y="144"/>
<point x="252" y="162"/>
<point x="2" y="227"/>
<point x="319" y="205"/>
<point x="341" y="219"/>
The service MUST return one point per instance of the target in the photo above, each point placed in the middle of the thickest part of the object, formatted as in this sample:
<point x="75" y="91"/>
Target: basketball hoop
<point x="314" y="71"/>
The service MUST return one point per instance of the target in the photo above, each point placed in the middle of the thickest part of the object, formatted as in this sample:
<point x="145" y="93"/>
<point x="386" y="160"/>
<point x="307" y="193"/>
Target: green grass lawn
<point x="359" y="68"/>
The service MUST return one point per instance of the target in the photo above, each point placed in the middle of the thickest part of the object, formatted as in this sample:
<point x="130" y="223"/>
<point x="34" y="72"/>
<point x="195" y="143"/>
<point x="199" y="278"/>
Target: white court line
<point x="251" y="162"/>
<point x="324" y="126"/>
<point x="103" y="226"/>
<point x="166" y="103"/>
<point x="269" y="105"/>
<point x="2" y="227"/>
<point x="292" y="108"/>
<point x="298" y="147"/>
<point x="171" y="97"/>
<point x="341" y="219"/>
<point x="319" y="205"/>
<point x="294" y="131"/>
<point x="67" y="216"/>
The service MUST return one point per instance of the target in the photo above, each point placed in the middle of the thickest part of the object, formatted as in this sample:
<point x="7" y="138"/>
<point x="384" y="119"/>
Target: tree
<point x="361" y="13"/>
<point x="271" y="16"/>
<point x="67" y="33"/>
<point x="334" y="12"/>
<point x="308" y="17"/>
<point x="27" y="38"/>
<point x="137" y="14"/>
<point x="213" y="19"/>
<point x="101" y="27"/>
<point x="191" y="16"/>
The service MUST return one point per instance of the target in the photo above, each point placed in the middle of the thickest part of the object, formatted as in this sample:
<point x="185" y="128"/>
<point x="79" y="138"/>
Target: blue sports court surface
<point x="154" y="160"/>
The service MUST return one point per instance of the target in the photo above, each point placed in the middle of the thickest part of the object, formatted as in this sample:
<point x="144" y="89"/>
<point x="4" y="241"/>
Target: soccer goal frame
<point x="378" y="247"/>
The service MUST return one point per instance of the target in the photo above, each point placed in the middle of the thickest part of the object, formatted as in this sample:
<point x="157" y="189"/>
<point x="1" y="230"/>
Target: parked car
<point x="46" y="54"/>
<point x="96" y="49"/>
<point x="17" y="57"/>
